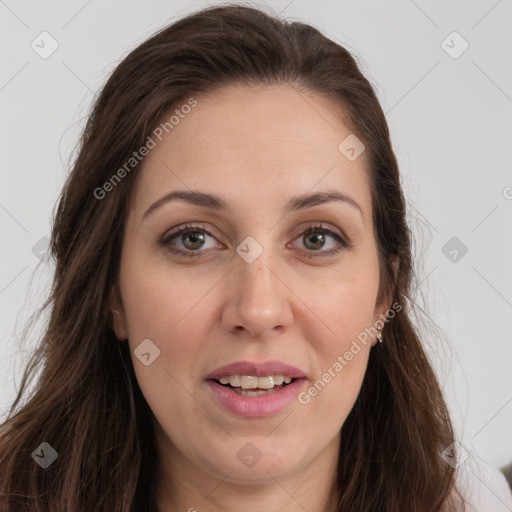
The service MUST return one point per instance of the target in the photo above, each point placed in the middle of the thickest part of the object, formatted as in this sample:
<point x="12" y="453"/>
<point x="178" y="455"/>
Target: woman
<point x="230" y="311"/>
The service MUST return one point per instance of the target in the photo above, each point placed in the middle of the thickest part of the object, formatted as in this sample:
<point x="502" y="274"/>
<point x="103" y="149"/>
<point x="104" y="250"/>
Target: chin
<point x="258" y="461"/>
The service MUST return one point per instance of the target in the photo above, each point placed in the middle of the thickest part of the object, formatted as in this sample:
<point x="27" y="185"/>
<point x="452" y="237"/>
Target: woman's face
<point x="248" y="284"/>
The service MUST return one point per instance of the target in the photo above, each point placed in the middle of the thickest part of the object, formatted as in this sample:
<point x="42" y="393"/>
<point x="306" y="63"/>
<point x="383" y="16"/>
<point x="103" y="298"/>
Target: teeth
<point x="250" y="382"/>
<point x="278" y="379"/>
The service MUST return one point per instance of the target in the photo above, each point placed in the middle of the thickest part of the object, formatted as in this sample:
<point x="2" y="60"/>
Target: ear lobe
<point x="118" y="325"/>
<point x="118" y="322"/>
<point x="395" y="263"/>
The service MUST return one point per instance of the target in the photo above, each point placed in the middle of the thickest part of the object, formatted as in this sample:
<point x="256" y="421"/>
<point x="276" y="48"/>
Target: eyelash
<point x="166" y="239"/>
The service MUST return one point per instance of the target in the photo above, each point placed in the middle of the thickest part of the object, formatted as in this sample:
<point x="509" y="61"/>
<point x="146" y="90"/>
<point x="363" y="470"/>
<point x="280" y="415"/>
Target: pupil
<point x="317" y="237"/>
<point x="197" y="239"/>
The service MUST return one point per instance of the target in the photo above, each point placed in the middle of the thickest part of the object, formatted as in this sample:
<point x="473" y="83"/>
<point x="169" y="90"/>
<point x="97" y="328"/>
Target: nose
<point x="257" y="298"/>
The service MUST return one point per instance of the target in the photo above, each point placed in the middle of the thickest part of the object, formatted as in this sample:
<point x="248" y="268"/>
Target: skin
<point x="256" y="147"/>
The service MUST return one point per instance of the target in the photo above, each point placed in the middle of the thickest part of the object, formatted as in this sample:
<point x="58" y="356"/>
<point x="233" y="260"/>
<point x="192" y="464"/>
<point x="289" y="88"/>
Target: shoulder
<point x="484" y="488"/>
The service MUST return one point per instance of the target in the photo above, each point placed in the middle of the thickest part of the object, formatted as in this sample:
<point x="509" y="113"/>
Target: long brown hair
<point x="87" y="405"/>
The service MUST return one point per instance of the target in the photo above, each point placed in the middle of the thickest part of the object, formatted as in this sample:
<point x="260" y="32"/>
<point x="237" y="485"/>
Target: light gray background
<point x="451" y="125"/>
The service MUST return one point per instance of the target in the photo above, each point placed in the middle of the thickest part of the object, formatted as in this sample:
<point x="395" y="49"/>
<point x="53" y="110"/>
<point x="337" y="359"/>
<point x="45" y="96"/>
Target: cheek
<point x="342" y="304"/>
<point x="343" y="313"/>
<point x="159" y="308"/>
<point x="174" y="311"/>
<point x="349" y="317"/>
<point x="157" y="299"/>
<point x="341" y="361"/>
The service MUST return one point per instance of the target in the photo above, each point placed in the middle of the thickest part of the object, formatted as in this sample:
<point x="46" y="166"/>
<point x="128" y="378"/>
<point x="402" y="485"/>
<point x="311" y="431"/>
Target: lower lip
<point x="255" y="406"/>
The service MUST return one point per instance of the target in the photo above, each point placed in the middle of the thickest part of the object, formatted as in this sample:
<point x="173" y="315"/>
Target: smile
<point x="254" y="400"/>
<point x="253" y="382"/>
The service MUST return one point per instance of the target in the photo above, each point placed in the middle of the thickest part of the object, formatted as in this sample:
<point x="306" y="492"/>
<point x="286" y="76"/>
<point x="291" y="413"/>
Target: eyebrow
<point x="213" y="202"/>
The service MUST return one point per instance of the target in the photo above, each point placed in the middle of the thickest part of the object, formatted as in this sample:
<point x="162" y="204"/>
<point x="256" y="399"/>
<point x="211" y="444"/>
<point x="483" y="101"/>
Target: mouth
<point x="253" y="386"/>
<point x="252" y="398"/>
<point x="255" y="389"/>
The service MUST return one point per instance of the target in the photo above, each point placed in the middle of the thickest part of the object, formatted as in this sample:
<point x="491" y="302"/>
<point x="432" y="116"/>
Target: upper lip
<point x="256" y="369"/>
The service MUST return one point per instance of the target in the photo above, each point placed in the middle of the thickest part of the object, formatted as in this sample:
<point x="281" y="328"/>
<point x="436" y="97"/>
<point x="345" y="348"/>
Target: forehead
<point x="254" y="146"/>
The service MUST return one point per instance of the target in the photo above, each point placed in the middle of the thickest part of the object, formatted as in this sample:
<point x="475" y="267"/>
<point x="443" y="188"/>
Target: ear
<point x="117" y="315"/>
<point x="395" y="265"/>
<point x="384" y="304"/>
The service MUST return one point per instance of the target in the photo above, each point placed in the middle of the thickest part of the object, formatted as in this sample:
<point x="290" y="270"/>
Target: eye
<point x="193" y="237"/>
<point x="315" y="238"/>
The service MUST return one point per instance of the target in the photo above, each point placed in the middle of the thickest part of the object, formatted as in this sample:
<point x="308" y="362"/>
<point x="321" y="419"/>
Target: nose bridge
<point x="258" y="299"/>
<point x="256" y="267"/>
